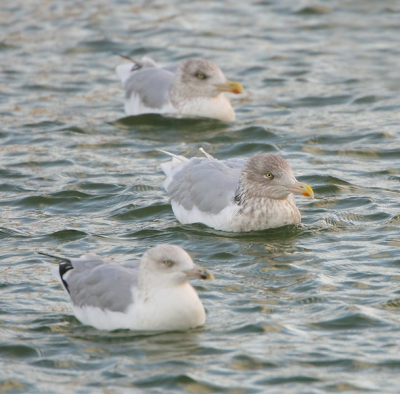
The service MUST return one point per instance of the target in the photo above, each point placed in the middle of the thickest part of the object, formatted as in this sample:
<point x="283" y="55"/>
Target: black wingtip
<point x="136" y="65"/>
<point x="54" y="257"/>
<point x="126" y="57"/>
<point x="63" y="268"/>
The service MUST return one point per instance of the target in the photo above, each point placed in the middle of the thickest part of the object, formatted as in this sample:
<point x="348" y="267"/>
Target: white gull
<point x="152" y="296"/>
<point x="194" y="87"/>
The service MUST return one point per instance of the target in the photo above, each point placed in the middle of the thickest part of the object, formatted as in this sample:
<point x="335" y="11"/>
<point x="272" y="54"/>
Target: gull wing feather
<point x="150" y="85"/>
<point x="96" y="282"/>
<point x="206" y="184"/>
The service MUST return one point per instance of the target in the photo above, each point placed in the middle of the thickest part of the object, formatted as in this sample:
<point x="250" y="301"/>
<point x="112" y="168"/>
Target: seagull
<point x="194" y="87"/>
<point x="233" y="195"/>
<point x="152" y="296"/>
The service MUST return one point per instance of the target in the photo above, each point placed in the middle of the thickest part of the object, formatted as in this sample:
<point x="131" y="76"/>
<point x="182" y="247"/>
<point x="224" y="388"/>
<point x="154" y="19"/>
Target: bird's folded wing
<point x="151" y="85"/>
<point x="208" y="185"/>
<point x="105" y="286"/>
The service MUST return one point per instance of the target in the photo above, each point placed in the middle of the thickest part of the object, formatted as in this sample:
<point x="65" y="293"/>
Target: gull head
<point x="169" y="265"/>
<point x="270" y="176"/>
<point x="202" y="78"/>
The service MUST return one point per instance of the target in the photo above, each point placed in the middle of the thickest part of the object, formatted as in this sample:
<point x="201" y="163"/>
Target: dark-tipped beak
<point x="199" y="272"/>
<point x="230" y="86"/>
<point x="302" y="188"/>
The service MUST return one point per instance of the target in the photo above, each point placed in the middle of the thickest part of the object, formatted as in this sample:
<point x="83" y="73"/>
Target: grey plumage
<point x="152" y="295"/>
<point x="208" y="185"/>
<point x="104" y="286"/>
<point x="92" y="281"/>
<point x="234" y="194"/>
<point x="151" y="84"/>
<point x="194" y="87"/>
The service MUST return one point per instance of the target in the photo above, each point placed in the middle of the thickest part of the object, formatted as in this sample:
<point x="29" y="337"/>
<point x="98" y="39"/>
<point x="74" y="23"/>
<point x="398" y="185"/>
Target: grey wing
<point x="209" y="185"/>
<point x="235" y="164"/>
<point x="151" y="84"/>
<point x="172" y="69"/>
<point x="105" y="286"/>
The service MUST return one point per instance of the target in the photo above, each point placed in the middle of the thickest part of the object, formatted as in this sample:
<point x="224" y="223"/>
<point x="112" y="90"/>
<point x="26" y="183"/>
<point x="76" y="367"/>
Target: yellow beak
<point x="230" y="86"/>
<point x="303" y="189"/>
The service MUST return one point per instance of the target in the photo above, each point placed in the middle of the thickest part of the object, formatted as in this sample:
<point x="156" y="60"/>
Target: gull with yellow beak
<point x="154" y="295"/>
<point x="193" y="88"/>
<point x="235" y="194"/>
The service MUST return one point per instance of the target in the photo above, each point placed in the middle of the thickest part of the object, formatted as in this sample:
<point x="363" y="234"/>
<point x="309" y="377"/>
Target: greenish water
<point x="313" y="308"/>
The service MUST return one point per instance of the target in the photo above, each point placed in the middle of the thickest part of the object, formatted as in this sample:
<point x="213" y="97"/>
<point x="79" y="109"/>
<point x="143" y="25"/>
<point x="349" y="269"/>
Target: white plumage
<point x="152" y="296"/>
<point x="194" y="87"/>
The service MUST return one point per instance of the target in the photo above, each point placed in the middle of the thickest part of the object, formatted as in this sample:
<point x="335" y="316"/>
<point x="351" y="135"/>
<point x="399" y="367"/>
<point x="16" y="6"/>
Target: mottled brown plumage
<point x="234" y="194"/>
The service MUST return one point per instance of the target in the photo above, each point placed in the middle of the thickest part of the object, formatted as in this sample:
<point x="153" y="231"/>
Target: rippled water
<point x="313" y="308"/>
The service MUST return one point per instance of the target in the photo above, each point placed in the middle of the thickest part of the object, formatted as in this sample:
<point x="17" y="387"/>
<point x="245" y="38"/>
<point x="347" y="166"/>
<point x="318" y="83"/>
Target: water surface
<point x="312" y="308"/>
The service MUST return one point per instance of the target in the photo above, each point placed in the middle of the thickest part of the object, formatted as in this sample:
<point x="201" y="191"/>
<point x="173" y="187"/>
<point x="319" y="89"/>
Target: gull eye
<point x="268" y="175"/>
<point x="168" y="263"/>
<point x="201" y="76"/>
